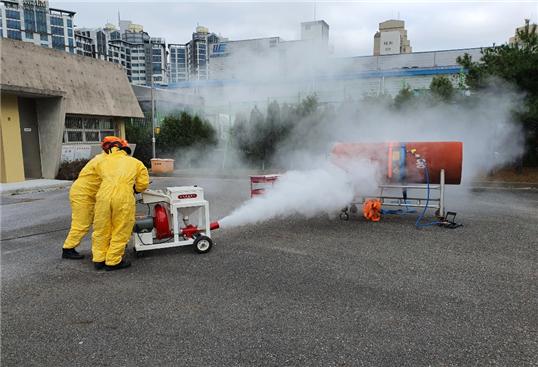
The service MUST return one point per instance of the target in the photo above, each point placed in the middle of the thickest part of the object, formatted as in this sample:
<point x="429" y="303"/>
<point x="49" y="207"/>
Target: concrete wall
<point x="11" y="159"/>
<point x="51" y="122"/>
<point x="60" y="83"/>
<point x="90" y="86"/>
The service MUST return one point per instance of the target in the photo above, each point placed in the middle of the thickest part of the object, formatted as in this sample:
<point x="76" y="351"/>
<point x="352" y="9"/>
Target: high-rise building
<point x="100" y="38"/>
<point x="141" y="56"/>
<point x="84" y="44"/>
<point x="198" y="56"/>
<point x="391" y="38"/>
<point x="158" y="61"/>
<point x="34" y="21"/>
<point x="178" y="66"/>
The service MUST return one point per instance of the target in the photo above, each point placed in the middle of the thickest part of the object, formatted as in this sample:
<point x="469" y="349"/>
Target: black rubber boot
<point x="71" y="253"/>
<point x="99" y="265"/>
<point x="121" y="265"/>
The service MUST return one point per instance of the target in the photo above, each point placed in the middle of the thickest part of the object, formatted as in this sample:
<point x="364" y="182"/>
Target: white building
<point x="317" y="30"/>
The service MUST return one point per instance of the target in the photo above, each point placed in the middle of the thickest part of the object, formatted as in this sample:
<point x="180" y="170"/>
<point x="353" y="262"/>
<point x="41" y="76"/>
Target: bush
<point x="441" y="88"/>
<point x="182" y="131"/>
<point x="70" y="170"/>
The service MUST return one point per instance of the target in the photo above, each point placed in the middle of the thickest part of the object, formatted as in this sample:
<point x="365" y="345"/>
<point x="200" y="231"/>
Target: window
<point x="74" y="137"/>
<point x="91" y="136"/>
<point x="80" y="129"/>
<point x="57" y="21"/>
<point x="29" y="35"/>
<point x="13" y="14"/>
<point x="29" y="20"/>
<point x="44" y="37"/>
<point x="41" y="21"/>
<point x="14" y="24"/>
<point x="70" y="32"/>
<point x="69" y="23"/>
<point x="57" y="31"/>
<point x="14" y="35"/>
<point x="58" y="43"/>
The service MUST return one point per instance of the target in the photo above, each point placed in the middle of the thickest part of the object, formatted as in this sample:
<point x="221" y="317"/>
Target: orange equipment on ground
<point x="401" y="161"/>
<point x="372" y="210"/>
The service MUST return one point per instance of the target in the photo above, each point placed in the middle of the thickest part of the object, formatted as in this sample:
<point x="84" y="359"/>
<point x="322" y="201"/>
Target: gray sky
<point x="432" y="25"/>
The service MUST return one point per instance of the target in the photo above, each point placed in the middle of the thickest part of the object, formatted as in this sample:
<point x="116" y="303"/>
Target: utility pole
<point x="152" y="119"/>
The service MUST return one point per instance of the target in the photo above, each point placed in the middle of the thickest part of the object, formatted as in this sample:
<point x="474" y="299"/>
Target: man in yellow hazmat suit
<point x="82" y="198"/>
<point x="115" y="206"/>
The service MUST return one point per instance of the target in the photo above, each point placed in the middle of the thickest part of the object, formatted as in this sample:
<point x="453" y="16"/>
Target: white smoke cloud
<point x="307" y="193"/>
<point x="484" y="123"/>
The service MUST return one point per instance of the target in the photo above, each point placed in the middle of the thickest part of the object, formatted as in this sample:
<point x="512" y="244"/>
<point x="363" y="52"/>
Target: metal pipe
<point x="442" y="194"/>
<point x="191" y="230"/>
<point x="152" y="120"/>
<point x="432" y="187"/>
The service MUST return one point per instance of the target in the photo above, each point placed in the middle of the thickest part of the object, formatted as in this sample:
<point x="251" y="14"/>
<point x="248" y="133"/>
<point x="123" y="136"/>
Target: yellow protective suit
<point x="82" y="198"/>
<point x="115" y="205"/>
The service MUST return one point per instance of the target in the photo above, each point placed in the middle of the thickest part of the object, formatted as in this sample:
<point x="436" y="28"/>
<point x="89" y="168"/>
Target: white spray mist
<point x="307" y="193"/>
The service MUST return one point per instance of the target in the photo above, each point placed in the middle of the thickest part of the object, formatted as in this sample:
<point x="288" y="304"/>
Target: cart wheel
<point x="344" y="216"/>
<point x="137" y="254"/>
<point x="202" y="244"/>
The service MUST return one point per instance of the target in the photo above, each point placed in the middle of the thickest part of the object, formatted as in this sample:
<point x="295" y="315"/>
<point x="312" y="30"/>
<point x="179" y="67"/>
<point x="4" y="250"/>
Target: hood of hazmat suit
<point x="115" y="205"/>
<point x="82" y="199"/>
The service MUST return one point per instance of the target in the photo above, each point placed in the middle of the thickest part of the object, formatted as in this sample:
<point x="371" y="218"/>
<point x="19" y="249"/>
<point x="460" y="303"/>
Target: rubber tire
<point x="203" y="239"/>
<point x="344" y="216"/>
<point x="137" y="254"/>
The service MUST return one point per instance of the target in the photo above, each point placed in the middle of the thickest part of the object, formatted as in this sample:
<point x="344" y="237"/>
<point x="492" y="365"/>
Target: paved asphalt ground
<point x="317" y="292"/>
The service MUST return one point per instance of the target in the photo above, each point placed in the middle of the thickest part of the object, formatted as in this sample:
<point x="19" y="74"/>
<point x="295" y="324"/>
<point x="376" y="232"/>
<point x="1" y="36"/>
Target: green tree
<point x="139" y="133"/>
<point x="516" y="63"/>
<point x="441" y="88"/>
<point x="182" y="131"/>
<point x="404" y="98"/>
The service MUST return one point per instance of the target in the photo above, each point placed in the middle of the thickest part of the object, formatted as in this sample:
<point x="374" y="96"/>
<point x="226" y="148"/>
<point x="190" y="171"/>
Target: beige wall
<point x="120" y="126"/>
<point x="11" y="159"/>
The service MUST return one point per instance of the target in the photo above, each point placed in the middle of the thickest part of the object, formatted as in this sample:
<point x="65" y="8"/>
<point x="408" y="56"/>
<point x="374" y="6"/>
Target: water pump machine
<point x="180" y="218"/>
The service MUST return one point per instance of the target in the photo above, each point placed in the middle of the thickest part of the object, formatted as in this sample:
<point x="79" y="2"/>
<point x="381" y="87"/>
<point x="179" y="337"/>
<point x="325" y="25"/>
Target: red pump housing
<point x="161" y="222"/>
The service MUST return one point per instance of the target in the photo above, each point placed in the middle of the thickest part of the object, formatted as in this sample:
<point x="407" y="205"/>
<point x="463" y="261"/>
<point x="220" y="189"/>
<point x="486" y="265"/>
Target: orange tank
<point x="404" y="162"/>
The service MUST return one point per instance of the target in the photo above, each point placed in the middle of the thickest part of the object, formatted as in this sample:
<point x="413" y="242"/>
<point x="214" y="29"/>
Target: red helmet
<point x="111" y="141"/>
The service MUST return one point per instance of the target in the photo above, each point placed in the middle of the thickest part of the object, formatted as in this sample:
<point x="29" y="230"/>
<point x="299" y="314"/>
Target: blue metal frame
<point x="351" y="76"/>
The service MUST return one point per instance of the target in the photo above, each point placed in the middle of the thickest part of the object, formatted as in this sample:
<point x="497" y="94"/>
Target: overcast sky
<point x="432" y="25"/>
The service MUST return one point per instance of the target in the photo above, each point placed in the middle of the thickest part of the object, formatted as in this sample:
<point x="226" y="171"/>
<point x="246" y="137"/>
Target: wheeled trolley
<point x="180" y="217"/>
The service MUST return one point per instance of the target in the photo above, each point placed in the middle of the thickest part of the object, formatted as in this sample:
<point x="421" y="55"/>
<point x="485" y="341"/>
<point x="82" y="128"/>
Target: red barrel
<point x="405" y="161"/>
